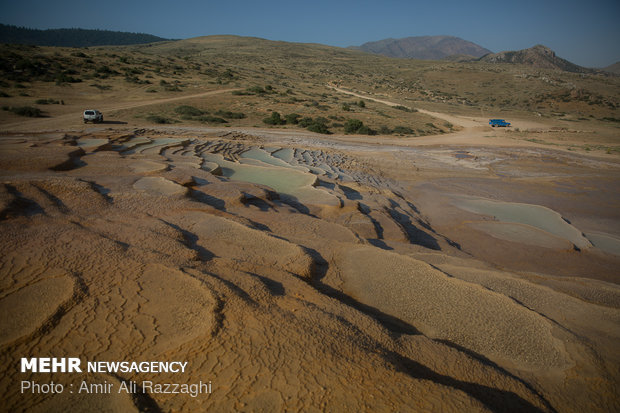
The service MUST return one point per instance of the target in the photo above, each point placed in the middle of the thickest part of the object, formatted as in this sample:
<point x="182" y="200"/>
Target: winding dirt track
<point x="465" y="122"/>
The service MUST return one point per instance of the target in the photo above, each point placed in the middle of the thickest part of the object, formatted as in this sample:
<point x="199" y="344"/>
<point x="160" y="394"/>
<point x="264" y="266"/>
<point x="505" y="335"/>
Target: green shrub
<point x="102" y="87"/>
<point x="256" y="90"/>
<point x="292" y="118"/>
<point x="318" y="125"/>
<point x="105" y="70"/>
<point x="361" y="104"/>
<point x="274" y="119"/>
<point x="352" y="125"/>
<point x="403" y="130"/>
<point x="65" y="78"/>
<point x="358" y="127"/>
<point x="28" y="111"/>
<point x="318" y="128"/>
<point x="47" y="102"/>
<point x="404" y="108"/>
<point x="365" y="130"/>
<point x="159" y="119"/>
<point x="384" y="130"/>
<point x="305" y="122"/>
<point x="211" y="119"/>
<point x="230" y="115"/>
<point x="187" y="110"/>
<point x="346" y="107"/>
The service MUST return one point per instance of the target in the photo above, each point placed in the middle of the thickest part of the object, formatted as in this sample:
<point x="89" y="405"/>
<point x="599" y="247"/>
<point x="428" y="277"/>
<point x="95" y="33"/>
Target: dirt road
<point x="63" y="120"/>
<point x="465" y="122"/>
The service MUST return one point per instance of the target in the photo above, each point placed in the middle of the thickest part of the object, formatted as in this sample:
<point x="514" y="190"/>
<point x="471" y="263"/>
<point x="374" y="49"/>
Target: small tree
<point x="352" y="125"/>
<point x="357" y="126"/>
<point x="274" y="119"/>
<point x="292" y="118"/>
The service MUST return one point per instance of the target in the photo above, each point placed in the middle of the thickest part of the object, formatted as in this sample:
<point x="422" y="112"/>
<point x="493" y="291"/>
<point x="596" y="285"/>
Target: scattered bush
<point x="319" y="128"/>
<point x="47" y="102"/>
<point x="159" y="119"/>
<point x="305" y="122"/>
<point x="212" y="119"/>
<point x="230" y="115"/>
<point x="133" y="71"/>
<point x="356" y="126"/>
<point x="188" y="111"/>
<point x="136" y="80"/>
<point x="384" y="130"/>
<point x="317" y="125"/>
<point x="28" y="111"/>
<point x="104" y="71"/>
<point x="4" y="95"/>
<point x="404" y="108"/>
<point x="292" y="118"/>
<point x="353" y="125"/>
<point x="257" y="90"/>
<point x="274" y="119"/>
<point x="65" y="78"/>
<point x="361" y="104"/>
<point x="403" y="130"/>
<point x="102" y="87"/>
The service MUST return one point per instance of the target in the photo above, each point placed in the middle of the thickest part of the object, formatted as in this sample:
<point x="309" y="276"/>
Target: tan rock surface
<point x="386" y="302"/>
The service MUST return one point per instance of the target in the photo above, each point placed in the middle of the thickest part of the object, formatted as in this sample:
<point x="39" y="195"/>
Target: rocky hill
<point x="424" y="47"/>
<point x="615" y="68"/>
<point x="538" y="56"/>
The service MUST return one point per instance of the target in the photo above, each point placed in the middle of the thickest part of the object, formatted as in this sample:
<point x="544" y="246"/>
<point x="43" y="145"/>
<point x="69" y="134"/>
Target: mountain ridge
<point x="424" y="47"/>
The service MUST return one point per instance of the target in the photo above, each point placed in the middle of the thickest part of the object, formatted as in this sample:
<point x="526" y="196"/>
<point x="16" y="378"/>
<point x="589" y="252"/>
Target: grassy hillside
<point x="292" y="79"/>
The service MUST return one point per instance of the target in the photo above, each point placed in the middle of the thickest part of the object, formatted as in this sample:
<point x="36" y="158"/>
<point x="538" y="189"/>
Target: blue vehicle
<point x="498" y="123"/>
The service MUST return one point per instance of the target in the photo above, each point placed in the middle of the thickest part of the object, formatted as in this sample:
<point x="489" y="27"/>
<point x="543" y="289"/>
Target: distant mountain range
<point x="72" y="37"/>
<point x="425" y="47"/>
<point x="459" y="50"/>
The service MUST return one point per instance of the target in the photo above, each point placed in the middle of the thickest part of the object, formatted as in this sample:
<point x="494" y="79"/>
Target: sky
<point x="586" y="32"/>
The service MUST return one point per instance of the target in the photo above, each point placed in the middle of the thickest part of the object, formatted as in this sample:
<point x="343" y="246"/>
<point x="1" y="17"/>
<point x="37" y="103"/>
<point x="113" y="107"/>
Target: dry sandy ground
<point x="372" y="285"/>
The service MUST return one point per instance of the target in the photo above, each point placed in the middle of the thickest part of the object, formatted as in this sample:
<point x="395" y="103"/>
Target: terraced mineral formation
<point x="296" y="277"/>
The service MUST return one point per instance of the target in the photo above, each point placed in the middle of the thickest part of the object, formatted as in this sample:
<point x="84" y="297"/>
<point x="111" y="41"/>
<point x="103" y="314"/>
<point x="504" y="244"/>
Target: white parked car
<point x="92" y="115"/>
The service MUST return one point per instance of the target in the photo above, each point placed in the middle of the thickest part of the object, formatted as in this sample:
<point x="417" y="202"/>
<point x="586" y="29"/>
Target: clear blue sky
<point x="586" y="32"/>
